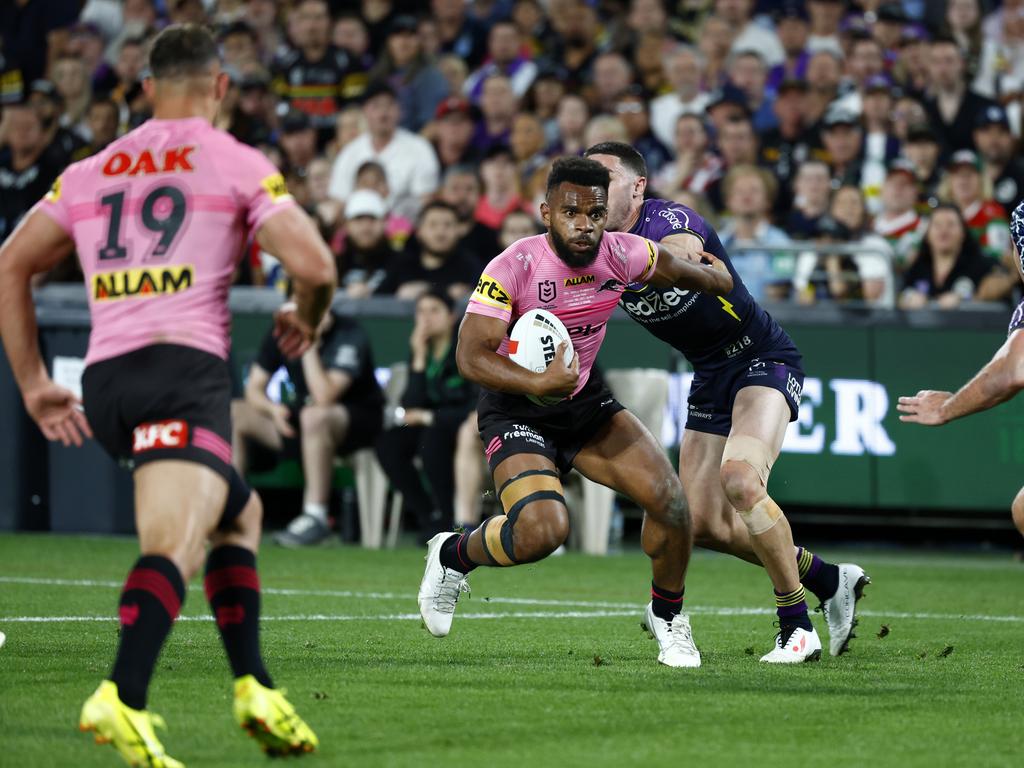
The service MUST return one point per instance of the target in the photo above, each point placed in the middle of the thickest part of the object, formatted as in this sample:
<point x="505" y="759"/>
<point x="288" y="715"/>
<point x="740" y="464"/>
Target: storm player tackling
<point x="746" y="388"/>
<point x="159" y="220"/>
<point x="529" y="446"/>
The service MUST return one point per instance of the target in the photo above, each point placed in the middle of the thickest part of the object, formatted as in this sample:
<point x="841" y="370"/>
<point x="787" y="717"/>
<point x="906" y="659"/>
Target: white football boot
<point x="794" y="647"/>
<point x="675" y="639"/>
<point x="841" y="609"/>
<point x="440" y="589"/>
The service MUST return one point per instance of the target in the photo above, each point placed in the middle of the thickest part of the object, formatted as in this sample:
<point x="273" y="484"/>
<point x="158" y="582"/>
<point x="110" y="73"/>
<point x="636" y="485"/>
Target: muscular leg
<point x="626" y="457"/>
<point x="469" y="474"/>
<point x="249" y="424"/>
<point x="323" y="428"/>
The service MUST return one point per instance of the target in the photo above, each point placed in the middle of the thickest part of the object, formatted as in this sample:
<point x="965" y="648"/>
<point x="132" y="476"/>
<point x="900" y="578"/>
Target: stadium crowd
<point x="419" y="137"/>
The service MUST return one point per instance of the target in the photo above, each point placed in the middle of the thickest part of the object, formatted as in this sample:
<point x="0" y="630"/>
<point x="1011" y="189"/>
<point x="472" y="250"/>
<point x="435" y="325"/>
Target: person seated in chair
<point x="324" y="404"/>
<point x="435" y="404"/>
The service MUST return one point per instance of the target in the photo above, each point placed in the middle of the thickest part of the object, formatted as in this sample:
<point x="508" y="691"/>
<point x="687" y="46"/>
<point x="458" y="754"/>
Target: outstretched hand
<point x="58" y="412"/>
<point x="294" y="336"/>
<point x="924" y="408"/>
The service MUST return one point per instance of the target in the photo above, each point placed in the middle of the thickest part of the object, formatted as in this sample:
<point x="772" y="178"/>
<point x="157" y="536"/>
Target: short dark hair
<point x="578" y="170"/>
<point x="182" y="50"/>
<point x="438" y="293"/>
<point x="103" y="101"/>
<point x="630" y="158"/>
<point x="436" y="205"/>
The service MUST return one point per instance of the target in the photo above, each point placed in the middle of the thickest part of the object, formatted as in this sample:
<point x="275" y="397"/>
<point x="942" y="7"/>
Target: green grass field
<point x="546" y="664"/>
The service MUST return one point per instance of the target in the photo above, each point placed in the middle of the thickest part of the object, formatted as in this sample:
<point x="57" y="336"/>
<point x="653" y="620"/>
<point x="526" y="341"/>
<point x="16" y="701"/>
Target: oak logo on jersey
<point x="54" y="194"/>
<point x="144" y="282"/>
<point x="546" y="290"/>
<point x="170" y="160"/>
<point x="489" y="291"/>
<point x="159" y="434"/>
<point x="578" y="280"/>
<point x="275" y="187"/>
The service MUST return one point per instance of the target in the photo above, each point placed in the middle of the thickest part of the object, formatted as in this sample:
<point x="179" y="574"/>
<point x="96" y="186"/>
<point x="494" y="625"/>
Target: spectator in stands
<point x="526" y="140"/>
<point x="516" y="226"/>
<point x="501" y="187"/>
<point x="32" y="37"/>
<point x="949" y="268"/>
<point x="750" y="36"/>
<point x="451" y="132"/>
<point x="102" y="119"/>
<point x="506" y="55"/>
<point x="459" y="32"/>
<point x="573" y="46"/>
<point x="602" y="128"/>
<point x="86" y="43"/>
<point x="890" y="19"/>
<point x="865" y="62"/>
<point x="1001" y="69"/>
<point x="747" y="71"/>
<point x="899" y="221"/>
<point x="373" y="176"/>
<point x="725" y="105"/>
<point x="187" y="12"/>
<point x="325" y="210"/>
<point x="349" y="33"/>
<point x="922" y="149"/>
<point x="714" y="41"/>
<point x="250" y="119"/>
<point x="748" y="192"/>
<point x="737" y="145"/>
<point x="412" y="168"/>
<point x="784" y="147"/>
<point x="825" y="17"/>
<point x="297" y="139"/>
<point x="239" y="46"/>
<point x="631" y="109"/>
<point x="951" y="105"/>
<point x="461" y="189"/>
<point x="349" y="125"/>
<point x="874" y="259"/>
<point x="261" y="15"/>
<point x="364" y="253"/>
<point x="543" y="99"/>
<point x="419" y="84"/>
<point x="311" y="75"/>
<point x="792" y="25"/>
<point x="824" y="73"/>
<point x="325" y="404"/>
<point x="27" y="167"/>
<point x="435" y="404"/>
<point x="986" y="219"/>
<point x="963" y="22"/>
<point x="498" y="105"/>
<point x="881" y="147"/>
<point x="571" y="119"/>
<point x="812" y="189"/>
<point x="843" y="138"/>
<point x="1003" y="169"/>
<point x="49" y="106"/>
<point x="825" y="275"/>
<point x="695" y="167"/>
<point x="612" y="76"/>
<point x="72" y="81"/>
<point x="684" y="69"/>
<point x="432" y="258"/>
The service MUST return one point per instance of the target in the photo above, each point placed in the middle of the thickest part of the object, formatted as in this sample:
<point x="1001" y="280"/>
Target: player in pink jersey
<point x="159" y="220"/>
<point x="572" y="271"/>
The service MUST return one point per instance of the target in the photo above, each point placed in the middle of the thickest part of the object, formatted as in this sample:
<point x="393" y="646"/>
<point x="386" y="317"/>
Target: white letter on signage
<point x="860" y="408"/>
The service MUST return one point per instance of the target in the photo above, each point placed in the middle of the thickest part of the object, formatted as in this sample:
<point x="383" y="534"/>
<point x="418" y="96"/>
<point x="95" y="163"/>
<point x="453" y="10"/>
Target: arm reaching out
<point x="478" y="360"/>
<point x="676" y="271"/>
<point x="997" y="382"/>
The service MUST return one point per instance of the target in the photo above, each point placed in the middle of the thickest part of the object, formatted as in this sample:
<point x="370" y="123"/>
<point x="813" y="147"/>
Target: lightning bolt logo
<point x="727" y="308"/>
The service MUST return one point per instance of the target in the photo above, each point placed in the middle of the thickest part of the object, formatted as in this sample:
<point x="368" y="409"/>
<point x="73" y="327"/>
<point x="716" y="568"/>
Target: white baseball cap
<point x="365" y="202"/>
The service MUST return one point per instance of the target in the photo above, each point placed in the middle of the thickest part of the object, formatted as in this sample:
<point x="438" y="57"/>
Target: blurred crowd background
<point x="419" y="134"/>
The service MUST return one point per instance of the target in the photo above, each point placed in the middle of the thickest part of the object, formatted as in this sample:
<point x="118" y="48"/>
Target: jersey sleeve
<point x="641" y="256"/>
<point x="260" y="186"/>
<point x="55" y="205"/>
<point x="668" y="218"/>
<point x="496" y="290"/>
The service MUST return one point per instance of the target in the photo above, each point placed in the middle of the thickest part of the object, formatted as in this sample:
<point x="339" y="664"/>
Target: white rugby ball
<point x="532" y="344"/>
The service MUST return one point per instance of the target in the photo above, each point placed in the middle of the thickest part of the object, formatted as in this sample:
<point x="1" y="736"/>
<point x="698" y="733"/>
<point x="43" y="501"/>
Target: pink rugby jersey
<point x="160" y="219"/>
<point x="530" y="275"/>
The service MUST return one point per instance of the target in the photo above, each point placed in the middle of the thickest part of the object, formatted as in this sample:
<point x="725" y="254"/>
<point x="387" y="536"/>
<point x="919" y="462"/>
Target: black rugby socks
<point x="455" y="554"/>
<point x="150" y="602"/>
<point x="665" y="603"/>
<point x="818" y="576"/>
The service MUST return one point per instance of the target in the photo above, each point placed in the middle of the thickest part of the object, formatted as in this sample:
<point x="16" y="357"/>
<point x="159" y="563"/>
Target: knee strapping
<point x="516" y="493"/>
<point x="762" y="517"/>
<point x="753" y="452"/>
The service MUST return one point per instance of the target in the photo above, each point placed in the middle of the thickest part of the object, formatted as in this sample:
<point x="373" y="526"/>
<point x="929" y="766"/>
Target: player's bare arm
<point x="256" y="396"/>
<point x="37" y="245"/>
<point x="685" y="245"/>
<point x="326" y="386"/>
<point x="997" y="382"/>
<point x="478" y="360"/>
<point x="674" y="271"/>
<point x="291" y="237"/>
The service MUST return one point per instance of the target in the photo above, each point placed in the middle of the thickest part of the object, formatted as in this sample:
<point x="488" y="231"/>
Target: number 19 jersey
<point x="160" y="219"/>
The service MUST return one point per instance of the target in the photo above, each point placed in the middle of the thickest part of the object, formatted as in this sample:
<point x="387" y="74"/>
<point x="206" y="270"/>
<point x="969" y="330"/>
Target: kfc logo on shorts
<point x="160" y="434"/>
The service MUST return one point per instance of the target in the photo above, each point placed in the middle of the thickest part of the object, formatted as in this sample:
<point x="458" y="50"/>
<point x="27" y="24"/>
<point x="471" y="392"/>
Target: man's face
<point x="498" y="173"/>
<point x="684" y="71"/>
<point x="130" y="62"/>
<point x="899" y="193"/>
<point x="47" y="109"/>
<point x="382" y="114"/>
<point x="633" y="114"/>
<point x="823" y="72"/>
<point x="748" y="73"/>
<point x="923" y="154"/>
<point x="812" y="184"/>
<point x="503" y="43"/>
<point x="403" y="46"/>
<point x="737" y="143"/>
<point x="299" y="146"/>
<point x="877" y="106"/>
<point x="527" y="136"/>
<point x="24" y="132"/>
<point x="611" y="76"/>
<point x="239" y="49"/>
<point x="793" y="34"/>
<point x="625" y="192"/>
<point x="437" y="231"/>
<point x="516" y="226"/>
<point x="497" y="99"/>
<point x="842" y="142"/>
<point x="965" y="184"/>
<point x="945" y="65"/>
<point x="865" y="60"/>
<point x="462" y="191"/>
<point x="788" y="106"/>
<point x="736" y="12"/>
<point x="575" y="218"/>
<point x="995" y="143"/>
<point x="690" y="136"/>
<point x="433" y="316"/>
<point x="312" y="24"/>
<point x="365" y="232"/>
<point x="350" y="35"/>
<point x="747" y="196"/>
<point x="102" y="121"/>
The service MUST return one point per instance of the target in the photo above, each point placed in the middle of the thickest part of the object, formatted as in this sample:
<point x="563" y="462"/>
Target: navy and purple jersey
<point x="709" y="330"/>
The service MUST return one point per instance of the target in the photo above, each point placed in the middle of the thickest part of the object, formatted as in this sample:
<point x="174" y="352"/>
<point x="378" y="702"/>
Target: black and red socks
<point x="455" y="553"/>
<point x="150" y="602"/>
<point x="666" y="604"/>
<point x="233" y="591"/>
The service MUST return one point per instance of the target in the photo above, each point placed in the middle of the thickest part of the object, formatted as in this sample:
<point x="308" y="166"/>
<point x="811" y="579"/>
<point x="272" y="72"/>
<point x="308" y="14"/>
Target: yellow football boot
<point x="129" y="730"/>
<point x="270" y="719"/>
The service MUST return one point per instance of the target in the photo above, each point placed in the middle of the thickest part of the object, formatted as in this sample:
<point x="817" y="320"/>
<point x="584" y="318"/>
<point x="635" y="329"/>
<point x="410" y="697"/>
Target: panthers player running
<point x="1000" y="380"/>
<point x="746" y="388"/>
